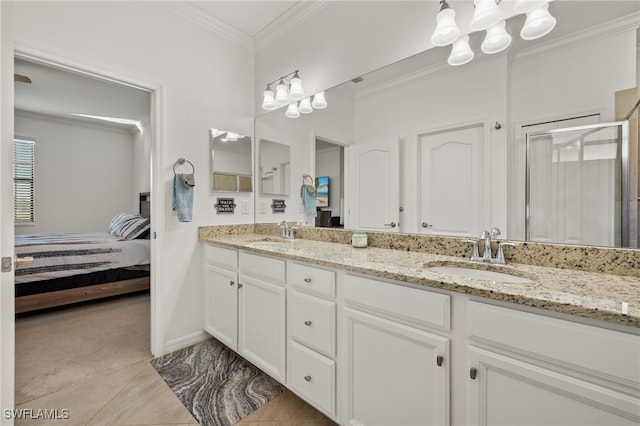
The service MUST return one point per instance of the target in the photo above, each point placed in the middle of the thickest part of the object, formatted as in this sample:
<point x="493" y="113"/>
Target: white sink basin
<point x="479" y="274"/>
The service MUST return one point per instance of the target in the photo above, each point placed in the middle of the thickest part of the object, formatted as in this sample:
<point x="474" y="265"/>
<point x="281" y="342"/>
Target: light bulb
<point x="295" y="89"/>
<point x="305" y="106"/>
<point x="268" y="100"/>
<point x="539" y="23"/>
<point x="319" y="101"/>
<point x="282" y="94"/>
<point x="292" y="111"/>
<point x="461" y="52"/>
<point x="487" y="13"/>
<point x="446" y="31"/>
<point x="497" y="39"/>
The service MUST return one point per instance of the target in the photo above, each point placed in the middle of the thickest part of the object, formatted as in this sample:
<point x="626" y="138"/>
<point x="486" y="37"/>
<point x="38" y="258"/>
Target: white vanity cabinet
<point x="262" y="313"/>
<point x="529" y="369"/>
<point x="221" y="294"/>
<point x="311" y="319"/>
<point x="395" y="372"/>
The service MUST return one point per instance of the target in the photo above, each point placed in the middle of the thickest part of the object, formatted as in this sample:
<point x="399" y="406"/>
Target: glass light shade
<point x="497" y="38"/>
<point x="487" y="14"/>
<point x="268" y="100"/>
<point x="305" y="106"/>
<point x="319" y="102"/>
<point x="292" y="111"/>
<point x="461" y="52"/>
<point x="282" y="94"/>
<point x="295" y="89"/>
<point x="524" y="6"/>
<point x="446" y="31"/>
<point x="539" y="23"/>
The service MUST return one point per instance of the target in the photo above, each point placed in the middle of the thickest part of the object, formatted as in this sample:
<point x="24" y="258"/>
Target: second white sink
<point x="479" y="274"/>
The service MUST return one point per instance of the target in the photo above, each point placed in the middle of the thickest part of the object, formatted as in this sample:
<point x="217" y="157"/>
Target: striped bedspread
<point x="63" y="255"/>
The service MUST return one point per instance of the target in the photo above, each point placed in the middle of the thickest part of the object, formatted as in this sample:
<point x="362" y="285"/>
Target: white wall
<point x="148" y="42"/>
<point x="83" y="174"/>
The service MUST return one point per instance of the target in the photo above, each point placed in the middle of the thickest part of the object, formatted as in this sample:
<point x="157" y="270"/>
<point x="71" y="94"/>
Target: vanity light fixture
<point x="289" y="92"/>
<point x="228" y="135"/>
<point x="489" y="17"/>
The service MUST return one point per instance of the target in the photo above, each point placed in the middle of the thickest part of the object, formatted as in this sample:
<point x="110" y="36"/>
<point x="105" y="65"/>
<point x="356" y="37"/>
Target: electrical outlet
<point x="263" y="207"/>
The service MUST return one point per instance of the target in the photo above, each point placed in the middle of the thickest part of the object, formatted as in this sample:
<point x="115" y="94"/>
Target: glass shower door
<point x="577" y="185"/>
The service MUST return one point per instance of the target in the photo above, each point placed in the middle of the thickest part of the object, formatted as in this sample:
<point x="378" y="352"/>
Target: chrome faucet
<point x="287" y="232"/>
<point x="486" y="255"/>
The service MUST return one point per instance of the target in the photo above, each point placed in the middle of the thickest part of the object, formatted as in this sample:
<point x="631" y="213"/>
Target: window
<point x="23" y="184"/>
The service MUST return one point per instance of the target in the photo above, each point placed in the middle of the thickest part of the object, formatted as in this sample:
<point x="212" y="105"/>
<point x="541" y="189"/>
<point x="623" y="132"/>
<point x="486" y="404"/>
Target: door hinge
<point x="7" y="263"/>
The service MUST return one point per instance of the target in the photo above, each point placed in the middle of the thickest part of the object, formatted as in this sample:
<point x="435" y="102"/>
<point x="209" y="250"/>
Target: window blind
<point x="23" y="181"/>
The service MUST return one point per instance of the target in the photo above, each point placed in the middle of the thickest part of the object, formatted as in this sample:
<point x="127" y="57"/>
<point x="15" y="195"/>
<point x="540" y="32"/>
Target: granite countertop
<point x="586" y="294"/>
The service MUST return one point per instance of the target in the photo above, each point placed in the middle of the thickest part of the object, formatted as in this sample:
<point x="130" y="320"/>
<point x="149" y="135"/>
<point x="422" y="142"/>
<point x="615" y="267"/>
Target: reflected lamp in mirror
<point x="231" y="163"/>
<point x="274" y="168"/>
<point x="289" y="92"/>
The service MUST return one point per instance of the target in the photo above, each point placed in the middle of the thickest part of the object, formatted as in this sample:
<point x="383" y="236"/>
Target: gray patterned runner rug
<point x="216" y="385"/>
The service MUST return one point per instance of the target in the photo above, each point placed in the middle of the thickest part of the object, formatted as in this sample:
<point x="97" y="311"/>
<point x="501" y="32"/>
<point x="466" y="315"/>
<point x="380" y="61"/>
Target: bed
<point x="72" y="268"/>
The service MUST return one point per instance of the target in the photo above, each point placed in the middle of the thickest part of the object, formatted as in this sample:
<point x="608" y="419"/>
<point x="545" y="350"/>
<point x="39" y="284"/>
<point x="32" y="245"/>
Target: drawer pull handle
<point x="307" y="323"/>
<point x="307" y="378"/>
<point x="473" y="373"/>
<point x="307" y="280"/>
<point x="231" y="283"/>
<point x="439" y="360"/>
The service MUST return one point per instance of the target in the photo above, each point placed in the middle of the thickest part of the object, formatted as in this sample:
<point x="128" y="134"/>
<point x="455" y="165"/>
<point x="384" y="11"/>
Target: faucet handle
<point x="499" y="259"/>
<point x="475" y="256"/>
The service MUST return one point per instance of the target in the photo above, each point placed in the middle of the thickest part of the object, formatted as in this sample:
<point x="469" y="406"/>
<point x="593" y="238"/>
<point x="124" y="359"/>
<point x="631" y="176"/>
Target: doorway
<point x="329" y="182"/>
<point x="143" y="138"/>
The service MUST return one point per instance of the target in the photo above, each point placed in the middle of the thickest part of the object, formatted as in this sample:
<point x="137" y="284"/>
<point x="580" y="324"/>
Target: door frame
<point x="156" y="91"/>
<point x="416" y="167"/>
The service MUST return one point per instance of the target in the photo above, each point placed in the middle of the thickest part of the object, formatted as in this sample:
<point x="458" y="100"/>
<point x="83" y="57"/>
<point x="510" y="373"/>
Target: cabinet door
<point x="262" y="333"/>
<point x="507" y="391"/>
<point x="221" y="305"/>
<point x="393" y="373"/>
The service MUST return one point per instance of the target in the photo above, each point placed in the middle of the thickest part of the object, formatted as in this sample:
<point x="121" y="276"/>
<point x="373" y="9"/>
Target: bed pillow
<point x="127" y="226"/>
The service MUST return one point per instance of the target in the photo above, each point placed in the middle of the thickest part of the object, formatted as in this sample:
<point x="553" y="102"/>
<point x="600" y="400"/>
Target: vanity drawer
<point x="312" y="280"/>
<point x="312" y="322"/>
<point x="314" y="377"/>
<point x="586" y="348"/>
<point x="262" y="267"/>
<point x="410" y="305"/>
<point x="219" y="256"/>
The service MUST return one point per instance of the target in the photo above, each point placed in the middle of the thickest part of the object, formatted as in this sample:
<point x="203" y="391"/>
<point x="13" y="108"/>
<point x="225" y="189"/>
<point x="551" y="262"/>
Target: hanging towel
<point x="308" y="195"/>
<point x="183" y="184"/>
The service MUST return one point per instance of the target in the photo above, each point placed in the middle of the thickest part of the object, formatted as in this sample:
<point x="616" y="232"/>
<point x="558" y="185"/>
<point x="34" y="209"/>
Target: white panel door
<point x="221" y="305"/>
<point x="7" y="298"/>
<point x="375" y="186"/>
<point x="394" y="375"/>
<point x="261" y="325"/>
<point x="453" y="189"/>
<point x="506" y="391"/>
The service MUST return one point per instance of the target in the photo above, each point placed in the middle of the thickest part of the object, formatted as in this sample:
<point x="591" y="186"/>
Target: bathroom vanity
<point x="377" y="336"/>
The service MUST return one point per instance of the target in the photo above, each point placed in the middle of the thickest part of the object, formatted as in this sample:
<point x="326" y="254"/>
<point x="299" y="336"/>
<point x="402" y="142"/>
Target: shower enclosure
<point x="582" y="186"/>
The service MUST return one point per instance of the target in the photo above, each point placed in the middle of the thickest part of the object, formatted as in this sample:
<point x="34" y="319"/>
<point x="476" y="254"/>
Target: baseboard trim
<point x="184" y="341"/>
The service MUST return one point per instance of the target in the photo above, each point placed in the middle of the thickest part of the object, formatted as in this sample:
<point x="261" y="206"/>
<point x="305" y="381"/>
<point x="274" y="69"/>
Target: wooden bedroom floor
<point x="93" y="360"/>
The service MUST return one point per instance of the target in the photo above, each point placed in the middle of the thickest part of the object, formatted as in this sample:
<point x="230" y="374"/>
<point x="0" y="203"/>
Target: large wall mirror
<point x="231" y="162"/>
<point x="461" y="132"/>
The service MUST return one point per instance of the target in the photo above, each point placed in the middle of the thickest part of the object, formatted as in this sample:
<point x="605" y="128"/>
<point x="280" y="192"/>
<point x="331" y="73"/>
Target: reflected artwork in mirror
<point x="230" y="162"/>
<point x="569" y="78"/>
<point x="274" y="168"/>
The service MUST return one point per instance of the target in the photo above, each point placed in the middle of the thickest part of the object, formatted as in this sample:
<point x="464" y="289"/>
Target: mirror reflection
<point x="275" y="168"/>
<point x="230" y="162"/>
<point x="441" y="150"/>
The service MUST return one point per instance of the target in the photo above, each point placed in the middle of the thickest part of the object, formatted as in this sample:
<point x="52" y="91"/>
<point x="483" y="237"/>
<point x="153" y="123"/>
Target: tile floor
<point x="107" y="379"/>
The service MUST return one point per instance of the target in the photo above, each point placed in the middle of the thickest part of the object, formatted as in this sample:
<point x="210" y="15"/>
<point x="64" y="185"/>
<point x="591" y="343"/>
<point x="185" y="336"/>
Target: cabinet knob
<point x="307" y="280"/>
<point x="473" y="373"/>
<point x="307" y="323"/>
<point x="231" y="283"/>
<point x="240" y="285"/>
<point x="439" y="360"/>
<point x="307" y="378"/>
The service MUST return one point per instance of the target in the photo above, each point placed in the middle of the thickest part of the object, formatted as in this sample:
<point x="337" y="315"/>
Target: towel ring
<point x="180" y="162"/>
<point x="304" y="180"/>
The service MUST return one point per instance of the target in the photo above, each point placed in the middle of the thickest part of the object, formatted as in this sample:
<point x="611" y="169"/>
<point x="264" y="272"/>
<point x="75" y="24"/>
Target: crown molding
<point x="216" y="26"/>
<point x="77" y="121"/>
<point x="598" y="32"/>
<point x="289" y="20"/>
